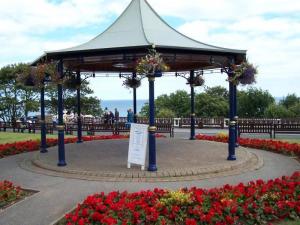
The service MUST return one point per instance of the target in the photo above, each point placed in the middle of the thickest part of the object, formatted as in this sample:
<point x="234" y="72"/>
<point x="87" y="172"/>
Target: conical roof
<point x="139" y="25"/>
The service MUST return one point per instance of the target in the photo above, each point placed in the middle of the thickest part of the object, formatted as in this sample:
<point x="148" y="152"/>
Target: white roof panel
<point x="140" y="25"/>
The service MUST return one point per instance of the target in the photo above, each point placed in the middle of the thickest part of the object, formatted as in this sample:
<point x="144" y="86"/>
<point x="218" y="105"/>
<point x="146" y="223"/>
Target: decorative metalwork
<point x="197" y="79"/>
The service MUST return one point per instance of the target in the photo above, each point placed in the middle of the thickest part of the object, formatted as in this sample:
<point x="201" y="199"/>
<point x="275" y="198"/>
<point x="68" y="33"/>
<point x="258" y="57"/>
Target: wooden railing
<point x="166" y="125"/>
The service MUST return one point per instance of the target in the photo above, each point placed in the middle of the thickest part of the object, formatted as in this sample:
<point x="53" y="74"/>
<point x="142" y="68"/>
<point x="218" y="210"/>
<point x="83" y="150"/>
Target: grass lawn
<point x="9" y="137"/>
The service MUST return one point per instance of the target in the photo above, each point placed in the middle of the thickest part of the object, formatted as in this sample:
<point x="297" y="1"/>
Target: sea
<point x="123" y="105"/>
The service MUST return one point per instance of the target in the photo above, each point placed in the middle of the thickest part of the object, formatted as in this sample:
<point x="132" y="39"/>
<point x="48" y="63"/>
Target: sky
<point x="268" y="29"/>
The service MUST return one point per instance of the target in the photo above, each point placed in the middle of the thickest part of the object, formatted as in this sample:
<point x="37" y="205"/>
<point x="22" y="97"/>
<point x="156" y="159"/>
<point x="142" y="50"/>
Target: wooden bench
<point x="202" y="122"/>
<point x="214" y="122"/>
<point x="165" y="128"/>
<point x="289" y="128"/>
<point x="161" y="128"/>
<point x="255" y="127"/>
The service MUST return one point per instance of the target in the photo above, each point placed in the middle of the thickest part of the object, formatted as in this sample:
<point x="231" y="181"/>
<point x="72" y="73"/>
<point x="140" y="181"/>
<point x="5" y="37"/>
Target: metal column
<point x="60" y="126"/>
<point x="134" y="102"/>
<point x="152" y="128"/>
<point x="43" y="147"/>
<point x="79" y="123"/>
<point x="232" y="123"/>
<point x="192" y="75"/>
<point x="235" y="115"/>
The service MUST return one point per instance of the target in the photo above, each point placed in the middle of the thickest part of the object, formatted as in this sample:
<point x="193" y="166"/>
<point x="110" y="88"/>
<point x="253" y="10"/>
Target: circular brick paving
<point x="177" y="159"/>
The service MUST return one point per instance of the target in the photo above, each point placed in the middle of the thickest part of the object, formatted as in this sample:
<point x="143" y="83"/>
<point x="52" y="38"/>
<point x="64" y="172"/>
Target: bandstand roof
<point x="136" y="30"/>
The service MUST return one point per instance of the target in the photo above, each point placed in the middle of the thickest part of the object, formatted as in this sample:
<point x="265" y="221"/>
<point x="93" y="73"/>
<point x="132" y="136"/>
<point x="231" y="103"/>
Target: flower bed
<point x="265" y="144"/>
<point x="34" y="145"/>
<point x="9" y="193"/>
<point x="257" y="202"/>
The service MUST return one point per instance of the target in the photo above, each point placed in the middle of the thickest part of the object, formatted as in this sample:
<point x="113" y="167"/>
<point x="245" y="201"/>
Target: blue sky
<point x="268" y="29"/>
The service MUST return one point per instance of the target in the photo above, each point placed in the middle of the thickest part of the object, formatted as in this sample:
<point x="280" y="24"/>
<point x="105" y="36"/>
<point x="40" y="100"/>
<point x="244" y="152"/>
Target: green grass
<point x="10" y="137"/>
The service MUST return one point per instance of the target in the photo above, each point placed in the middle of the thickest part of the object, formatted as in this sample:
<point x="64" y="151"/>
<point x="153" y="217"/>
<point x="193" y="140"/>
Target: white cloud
<point x="268" y="29"/>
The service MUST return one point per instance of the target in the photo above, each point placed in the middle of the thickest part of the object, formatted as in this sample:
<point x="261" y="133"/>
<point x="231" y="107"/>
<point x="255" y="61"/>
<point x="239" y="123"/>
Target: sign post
<point x="137" y="145"/>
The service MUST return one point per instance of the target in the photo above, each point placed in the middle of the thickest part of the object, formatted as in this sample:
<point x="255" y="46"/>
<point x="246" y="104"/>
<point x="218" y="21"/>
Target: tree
<point x="145" y="110"/>
<point x="16" y="100"/>
<point x="165" y="113"/>
<point x="178" y="103"/>
<point x="295" y="109"/>
<point x="290" y="100"/>
<point x="278" y="111"/>
<point x="253" y="102"/>
<point x="218" y="91"/>
<point x="89" y="105"/>
<point x="212" y="103"/>
<point x="207" y="105"/>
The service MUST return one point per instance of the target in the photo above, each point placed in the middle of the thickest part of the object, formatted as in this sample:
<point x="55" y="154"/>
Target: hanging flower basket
<point x="152" y="64"/>
<point x="244" y="74"/>
<point x="132" y="82"/>
<point x="198" y="81"/>
<point x="32" y="76"/>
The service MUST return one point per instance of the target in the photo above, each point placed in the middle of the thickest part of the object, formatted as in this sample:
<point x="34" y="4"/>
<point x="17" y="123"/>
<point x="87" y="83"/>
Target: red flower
<point x="190" y="222"/>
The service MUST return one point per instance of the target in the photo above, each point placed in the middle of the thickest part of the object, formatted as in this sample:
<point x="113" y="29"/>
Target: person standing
<point x="106" y="115"/>
<point x="117" y="115"/>
<point x="111" y="117"/>
<point x="129" y="116"/>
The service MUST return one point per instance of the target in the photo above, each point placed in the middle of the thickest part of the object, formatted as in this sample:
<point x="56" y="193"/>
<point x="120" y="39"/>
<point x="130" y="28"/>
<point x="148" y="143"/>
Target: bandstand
<point x="116" y="50"/>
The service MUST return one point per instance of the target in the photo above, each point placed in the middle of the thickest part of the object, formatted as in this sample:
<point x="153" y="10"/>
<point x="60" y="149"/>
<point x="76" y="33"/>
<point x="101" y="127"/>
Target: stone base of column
<point x="61" y="163"/>
<point x="231" y="157"/>
<point x="43" y="150"/>
<point x="152" y="168"/>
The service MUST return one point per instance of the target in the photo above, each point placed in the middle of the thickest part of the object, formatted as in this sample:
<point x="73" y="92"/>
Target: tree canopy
<point x="17" y="100"/>
<point x="213" y="102"/>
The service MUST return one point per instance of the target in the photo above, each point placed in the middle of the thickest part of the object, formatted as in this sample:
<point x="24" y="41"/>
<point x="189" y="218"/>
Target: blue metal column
<point x="152" y="128"/>
<point x="43" y="147"/>
<point x="134" y="102"/>
<point x="231" y="143"/>
<point x="79" y="124"/>
<point x="235" y="115"/>
<point x="60" y="126"/>
<point x="192" y="75"/>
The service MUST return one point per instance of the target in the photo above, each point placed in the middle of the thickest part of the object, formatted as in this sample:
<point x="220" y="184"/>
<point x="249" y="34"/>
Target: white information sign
<point x="137" y="144"/>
